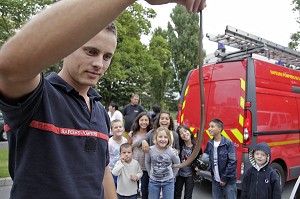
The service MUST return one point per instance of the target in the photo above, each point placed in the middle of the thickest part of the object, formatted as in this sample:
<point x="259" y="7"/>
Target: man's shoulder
<point x="140" y="107"/>
<point x="126" y="107"/>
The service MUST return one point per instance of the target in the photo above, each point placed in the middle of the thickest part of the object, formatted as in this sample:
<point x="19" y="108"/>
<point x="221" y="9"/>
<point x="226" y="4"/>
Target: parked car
<point x="3" y="136"/>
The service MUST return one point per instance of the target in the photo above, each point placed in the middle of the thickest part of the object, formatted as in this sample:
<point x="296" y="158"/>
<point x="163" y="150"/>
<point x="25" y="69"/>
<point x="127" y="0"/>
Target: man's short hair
<point x="112" y="28"/>
<point x="135" y="95"/>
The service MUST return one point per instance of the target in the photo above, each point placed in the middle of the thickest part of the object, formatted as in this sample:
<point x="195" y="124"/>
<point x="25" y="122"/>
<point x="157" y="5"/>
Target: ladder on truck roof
<point x="248" y="44"/>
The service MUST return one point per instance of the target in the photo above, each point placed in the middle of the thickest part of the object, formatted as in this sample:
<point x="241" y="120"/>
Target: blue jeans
<point x="188" y="183"/>
<point x="144" y="185"/>
<point x="127" y="197"/>
<point x="167" y="188"/>
<point x="229" y="191"/>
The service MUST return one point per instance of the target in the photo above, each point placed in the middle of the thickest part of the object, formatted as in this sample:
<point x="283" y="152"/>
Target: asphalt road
<point x="3" y="144"/>
<point x="202" y="190"/>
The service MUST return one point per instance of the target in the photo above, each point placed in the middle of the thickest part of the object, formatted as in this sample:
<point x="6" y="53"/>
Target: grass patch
<point x="4" y="163"/>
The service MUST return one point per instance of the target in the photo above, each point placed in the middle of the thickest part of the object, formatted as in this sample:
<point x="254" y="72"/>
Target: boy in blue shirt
<point x="222" y="158"/>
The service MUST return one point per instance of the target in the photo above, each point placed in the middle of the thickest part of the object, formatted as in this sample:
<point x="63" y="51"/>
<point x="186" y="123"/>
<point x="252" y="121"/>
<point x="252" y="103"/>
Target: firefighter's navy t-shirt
<point x="57" y="147"/>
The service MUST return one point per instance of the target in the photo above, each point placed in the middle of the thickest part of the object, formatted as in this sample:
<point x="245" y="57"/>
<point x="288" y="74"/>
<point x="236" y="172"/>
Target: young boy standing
<point x="128" y="171"/>
<point x="261" y="181"/>
<point x="114" y="144"/>
<point x="222" y="159"/>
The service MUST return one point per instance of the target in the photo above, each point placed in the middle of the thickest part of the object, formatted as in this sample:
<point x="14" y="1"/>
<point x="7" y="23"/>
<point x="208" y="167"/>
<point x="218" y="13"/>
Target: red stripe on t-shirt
<point x="67" y="131"/>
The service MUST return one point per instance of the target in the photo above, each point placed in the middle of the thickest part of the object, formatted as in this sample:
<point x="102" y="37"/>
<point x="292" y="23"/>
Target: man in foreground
<point x="57" y="130"/>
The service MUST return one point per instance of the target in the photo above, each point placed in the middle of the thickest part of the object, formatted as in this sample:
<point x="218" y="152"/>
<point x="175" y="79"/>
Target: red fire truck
<point x="256" y="99"/>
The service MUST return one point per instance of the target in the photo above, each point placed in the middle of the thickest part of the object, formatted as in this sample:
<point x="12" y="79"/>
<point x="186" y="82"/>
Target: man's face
<point x="134" y="100"/>
<point x="84" y="67"/>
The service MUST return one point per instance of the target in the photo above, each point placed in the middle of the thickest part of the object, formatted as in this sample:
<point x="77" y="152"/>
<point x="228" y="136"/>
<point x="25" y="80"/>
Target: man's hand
<point x="191" y="5"/>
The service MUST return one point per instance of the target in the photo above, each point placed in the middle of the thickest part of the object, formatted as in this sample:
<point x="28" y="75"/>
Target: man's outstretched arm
<point x="49" y="37"/>
<point x="55" y="33"/>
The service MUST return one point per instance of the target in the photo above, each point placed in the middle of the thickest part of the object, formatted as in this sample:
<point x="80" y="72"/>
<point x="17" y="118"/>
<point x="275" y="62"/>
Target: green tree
<point x="159" y="49"/>
<point x="295" y="37"/>
<point x="183" y="40"/>
<point x="14" y="13"/>
<point x="132" y="66"/>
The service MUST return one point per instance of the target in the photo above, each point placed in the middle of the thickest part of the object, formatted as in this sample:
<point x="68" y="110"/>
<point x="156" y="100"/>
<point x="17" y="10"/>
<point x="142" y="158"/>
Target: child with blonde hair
<point x="114" y="143"/>
<point x="159" y="163"/>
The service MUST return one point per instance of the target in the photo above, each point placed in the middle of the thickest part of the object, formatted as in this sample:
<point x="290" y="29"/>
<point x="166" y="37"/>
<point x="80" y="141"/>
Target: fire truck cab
<point x="256" y="99"/>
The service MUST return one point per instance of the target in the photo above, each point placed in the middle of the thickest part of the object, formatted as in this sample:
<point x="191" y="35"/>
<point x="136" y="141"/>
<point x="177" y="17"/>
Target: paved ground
<point x="3" y="144"/>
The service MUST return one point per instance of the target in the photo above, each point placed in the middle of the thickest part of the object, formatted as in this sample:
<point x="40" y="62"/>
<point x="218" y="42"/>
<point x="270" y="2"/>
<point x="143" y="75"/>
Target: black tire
<point x="279" y="170"/>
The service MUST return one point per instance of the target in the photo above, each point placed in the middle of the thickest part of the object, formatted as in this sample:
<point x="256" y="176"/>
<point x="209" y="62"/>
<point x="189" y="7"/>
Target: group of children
<point x="148" y="156"/>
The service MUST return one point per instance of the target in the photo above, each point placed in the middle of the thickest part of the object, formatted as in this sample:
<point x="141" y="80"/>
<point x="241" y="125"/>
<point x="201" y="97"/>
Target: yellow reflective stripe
<point x="183" y="105"/>
<point x="223" y="133"/>
<point x="241" y="120"/>
<point x="207" y="132"/>
<point x="238" y="135"/>
<point x="181" y="118"/>
<point x="284" y="143"/>
<point x="192" y="129"/>
<point x="242" y="102"/>
<point x="186" y="90"/>
<point x="226" y="135"/>
<point x="243" y="84"/>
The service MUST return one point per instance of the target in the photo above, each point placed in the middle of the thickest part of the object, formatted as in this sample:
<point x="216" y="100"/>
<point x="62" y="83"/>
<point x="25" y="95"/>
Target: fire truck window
<point x="274" y="120"/>
<point x="282" y="118"/>
<point x="263" y="118"/>
<point x="224" y="102"/>
<point x="279" y="115"/>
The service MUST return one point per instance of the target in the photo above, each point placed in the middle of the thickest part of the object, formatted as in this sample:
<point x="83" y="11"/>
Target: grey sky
<point x="273" y="20"/>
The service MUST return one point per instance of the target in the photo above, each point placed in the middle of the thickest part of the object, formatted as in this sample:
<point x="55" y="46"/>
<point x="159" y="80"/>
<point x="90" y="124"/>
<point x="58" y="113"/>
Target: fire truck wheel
<point x="281" y="174"/>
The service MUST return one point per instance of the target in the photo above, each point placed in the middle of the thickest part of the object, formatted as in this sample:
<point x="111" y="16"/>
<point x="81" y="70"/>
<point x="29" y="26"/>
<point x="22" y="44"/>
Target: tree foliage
<point x="159" y="49"/>
<point x="132" y="68"/>
<point x="15" y="12"/>
<point x="183" y="37"/>
<point x="295" y="37"/>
